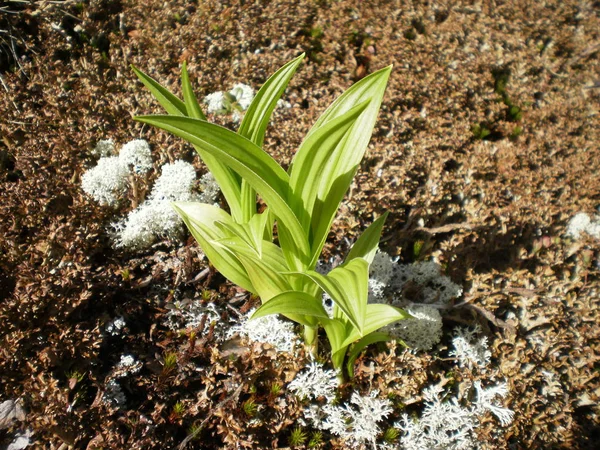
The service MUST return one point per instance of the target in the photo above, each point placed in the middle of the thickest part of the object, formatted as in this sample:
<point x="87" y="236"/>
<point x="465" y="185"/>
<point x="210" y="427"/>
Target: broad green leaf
<point x="356" y="94"/>
<point x="300" y="305"/>
<point x="252" y="163"/>
<point x="167" y="100"/>
<point x="341" y="167"/>
<point x="378" y="315"/>
<point x="366" y="245"/>
<point x="191" y="102"/>
<point x="201" y="219"/>
<point x="361" y="345"/>
<point x="308" y="169"/>
<point x="348" y="287"/>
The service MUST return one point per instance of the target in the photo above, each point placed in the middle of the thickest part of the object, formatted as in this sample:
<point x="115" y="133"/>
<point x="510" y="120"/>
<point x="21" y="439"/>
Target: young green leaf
<point x="336" y="331"/>
<point x="191" y="102"/>
<point x="378" y="315"/>
<point x="349" y="289"/>
<point x="251" y="162"/>
<point x="366" y="245"/>
<point x="256" y="119"/>
<point x="252" y="232"/>
<point x="308" y="174"/>
<point x="267" y="279"/>
<point x="339" y="170"/>
<point x="229" y="182"/>
<point x="167" y="100"/>
<point x="298" y="304"/>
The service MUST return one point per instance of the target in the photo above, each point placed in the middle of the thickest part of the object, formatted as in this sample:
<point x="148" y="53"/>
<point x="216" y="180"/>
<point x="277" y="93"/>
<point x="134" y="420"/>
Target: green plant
<point x="297" y="437"/>
<point x="169" y="362"/>
<point x="178" y="409"/>
<point x="302" y="201"/>
<point x="275" y="389"/>
<point x="316" y="439"/>
<point x="391" y="435"/>
<point x="480" y="131"/>
<point x="516" y="132"/>
<point x="250" y="407"/>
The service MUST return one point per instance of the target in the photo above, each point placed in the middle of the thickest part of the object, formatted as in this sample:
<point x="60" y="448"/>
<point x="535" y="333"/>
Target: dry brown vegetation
<point x="484" y="188"/>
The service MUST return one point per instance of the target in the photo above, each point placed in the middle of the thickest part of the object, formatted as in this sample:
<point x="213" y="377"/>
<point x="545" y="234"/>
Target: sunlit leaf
<point x="341" y="167"/>
<point x="201" y="220"/>
<point x="259" y="112"/>
<point x="191" y="102"/>
<point x="308" y="172"/>
<point x="378" y="315"/>
<point x="166" y="99"/>
<point x="251" y="162"/>
<point x="367" y="244"/>
<point x="298" y="304"/>
<point x="348" y="287"/>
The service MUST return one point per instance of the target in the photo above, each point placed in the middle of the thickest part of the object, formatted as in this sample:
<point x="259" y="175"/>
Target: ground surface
<point x="485" y="189"/>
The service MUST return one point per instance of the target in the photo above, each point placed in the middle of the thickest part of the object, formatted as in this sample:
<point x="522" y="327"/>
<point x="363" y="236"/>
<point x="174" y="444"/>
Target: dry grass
<point x="492" y="211"/>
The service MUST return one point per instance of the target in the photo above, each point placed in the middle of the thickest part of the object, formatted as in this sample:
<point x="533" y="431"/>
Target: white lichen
<point x="446" y="423"/>
<point x="582" y="223"/>
<point x="421" y="332"/>
<point x="355" y="422"/>
<point x="382" y="268"/>
<point x="217" y="103"/>
<point x="155" y="218"/>
<point x="190" y="315"/>
<point x="175" y="182"/>
<point x="116" y="326"/>
<point x="243" y="95"/>
<point x="136" y="156"/>
<point x="113" y="395"/>
<point x="315" y="382"/>
<point x="470" y="350"/>
<point x="486" y="400"/>
<point x="269" y="329"/>
<point x="104" y="148"/>
<point x="106" y="182"/>
<point x="128" y="365"/>
<point x="235" y="101"/>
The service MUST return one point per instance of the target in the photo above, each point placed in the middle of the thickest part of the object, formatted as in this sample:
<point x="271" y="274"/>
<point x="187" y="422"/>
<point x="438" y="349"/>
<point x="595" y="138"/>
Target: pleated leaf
<point x="341" y="167"/>
<point x="201" y="219"/>
<point x="251" y="162"/>
<point x="191" y="102"/>
<point x="378" y="315"/>
<point x="348" y="287"/>
<point x="308" y="171"/>
<point x="304" y="307"/>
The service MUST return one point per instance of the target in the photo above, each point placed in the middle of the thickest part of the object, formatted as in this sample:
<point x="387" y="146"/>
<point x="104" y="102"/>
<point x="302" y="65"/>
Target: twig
<point x="198" y="429"/>
<point x="446" y="228"/>
<point x="201" y="276"/>
<point x="8" y="92"/>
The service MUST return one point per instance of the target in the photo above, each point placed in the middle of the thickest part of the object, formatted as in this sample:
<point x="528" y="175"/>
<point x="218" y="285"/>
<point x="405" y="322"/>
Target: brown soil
<point x="485" y="188"/>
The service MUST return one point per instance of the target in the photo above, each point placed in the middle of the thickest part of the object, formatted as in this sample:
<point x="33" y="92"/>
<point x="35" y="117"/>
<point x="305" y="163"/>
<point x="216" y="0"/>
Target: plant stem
<point x="311" y="340"/>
